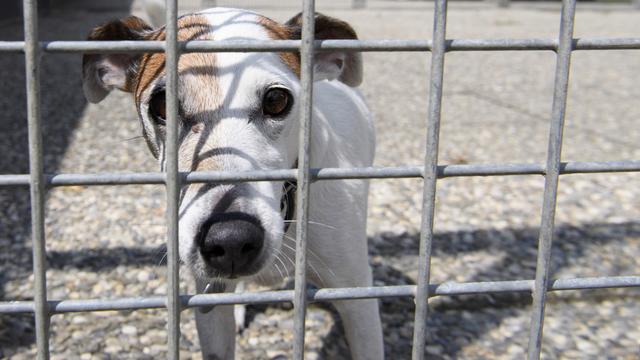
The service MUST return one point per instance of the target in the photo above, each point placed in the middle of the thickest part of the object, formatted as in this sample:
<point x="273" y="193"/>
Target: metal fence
<point x="430" y="172"/>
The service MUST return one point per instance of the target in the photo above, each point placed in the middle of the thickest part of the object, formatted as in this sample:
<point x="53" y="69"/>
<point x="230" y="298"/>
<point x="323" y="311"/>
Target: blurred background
<point x="108" y="242"/>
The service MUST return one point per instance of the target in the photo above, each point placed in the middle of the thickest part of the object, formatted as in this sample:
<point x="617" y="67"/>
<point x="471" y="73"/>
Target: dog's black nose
<point x="230" y="243"/>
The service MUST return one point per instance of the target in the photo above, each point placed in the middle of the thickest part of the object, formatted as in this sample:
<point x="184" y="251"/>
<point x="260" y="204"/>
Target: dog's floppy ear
<point x="103" y="72"/>
<point x="342" y="65"/>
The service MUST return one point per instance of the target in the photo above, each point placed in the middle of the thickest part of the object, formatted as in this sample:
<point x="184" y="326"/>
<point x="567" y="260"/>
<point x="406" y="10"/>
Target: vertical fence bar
<point x="36" y="171"/>
<point x="172" y="180"/>
<point x="302" y="201"/>
<point x="563" y="63"/>
<point x="430" y="178"/>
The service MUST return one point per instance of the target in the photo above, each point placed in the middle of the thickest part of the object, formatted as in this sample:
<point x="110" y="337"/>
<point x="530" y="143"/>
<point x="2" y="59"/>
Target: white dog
<point x="239" y="112"/>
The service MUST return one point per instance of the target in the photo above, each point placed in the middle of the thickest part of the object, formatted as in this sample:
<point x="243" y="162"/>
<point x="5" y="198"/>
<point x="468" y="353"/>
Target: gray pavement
<point x="106" y="242"/>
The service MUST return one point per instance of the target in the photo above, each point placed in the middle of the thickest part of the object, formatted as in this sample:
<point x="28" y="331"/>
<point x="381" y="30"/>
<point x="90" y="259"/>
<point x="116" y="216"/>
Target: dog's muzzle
<point x="231" y="242"/>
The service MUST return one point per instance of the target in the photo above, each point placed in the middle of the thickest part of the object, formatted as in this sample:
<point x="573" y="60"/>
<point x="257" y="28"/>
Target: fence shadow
<point x="454" y="321"/>
<point x="459" y="320"/>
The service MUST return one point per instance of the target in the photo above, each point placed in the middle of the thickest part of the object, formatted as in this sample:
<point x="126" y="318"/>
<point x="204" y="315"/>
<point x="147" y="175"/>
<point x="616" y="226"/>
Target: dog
<point x="240" y="112"/>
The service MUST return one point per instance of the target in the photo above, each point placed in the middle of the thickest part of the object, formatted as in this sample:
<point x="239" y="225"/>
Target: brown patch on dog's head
<point x="326" y="28"/>
<point x="103" y="72"/>
<point x="278" y="31"/>
<point x="139" y="72"/>
<point x="152" y="66"/>
<point x="135" y="72"/>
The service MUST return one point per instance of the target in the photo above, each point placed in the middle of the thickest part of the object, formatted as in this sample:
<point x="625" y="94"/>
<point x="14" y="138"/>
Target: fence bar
<point x="444" y="171"/>
<point x="172" y="181"/>
<point x="266" y="297"/>
<point x="304" y="176"/>
<point x="554" y="153"/>
<point x="322" y="45"/>
<point x="430" y="178"/>
<point x="36" y="171"/>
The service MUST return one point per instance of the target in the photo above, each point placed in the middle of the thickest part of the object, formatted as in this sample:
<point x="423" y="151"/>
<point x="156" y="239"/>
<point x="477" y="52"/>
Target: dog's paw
<point x="239" y="312"/>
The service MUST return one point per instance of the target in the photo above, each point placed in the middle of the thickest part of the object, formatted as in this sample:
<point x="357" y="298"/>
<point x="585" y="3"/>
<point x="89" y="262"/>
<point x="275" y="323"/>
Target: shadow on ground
<point x="460" y="320"/>
<point x="454" y="322"/>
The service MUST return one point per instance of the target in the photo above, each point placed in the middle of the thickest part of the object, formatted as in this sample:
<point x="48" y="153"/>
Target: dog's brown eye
<point x="277" y="102"/>
<point x="158" y="107"/>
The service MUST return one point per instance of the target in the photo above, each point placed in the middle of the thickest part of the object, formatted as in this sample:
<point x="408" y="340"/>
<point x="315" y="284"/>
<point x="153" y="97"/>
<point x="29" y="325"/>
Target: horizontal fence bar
<point x="444" y="171"/>
<point x="323" y="45"/>
<point x="444" y="289"/>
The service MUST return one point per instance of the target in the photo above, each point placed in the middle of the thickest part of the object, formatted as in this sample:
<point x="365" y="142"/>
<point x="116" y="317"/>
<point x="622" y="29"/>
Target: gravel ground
<point x="496" y="109"/>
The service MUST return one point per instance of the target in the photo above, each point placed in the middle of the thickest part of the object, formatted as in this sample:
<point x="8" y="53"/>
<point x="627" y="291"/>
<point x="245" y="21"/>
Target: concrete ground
<point x="107" y="242"/>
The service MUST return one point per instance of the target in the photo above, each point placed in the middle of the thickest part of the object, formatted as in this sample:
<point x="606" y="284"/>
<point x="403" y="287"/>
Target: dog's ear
<point x="103" y="72"/>
<point x="345" y="66"/>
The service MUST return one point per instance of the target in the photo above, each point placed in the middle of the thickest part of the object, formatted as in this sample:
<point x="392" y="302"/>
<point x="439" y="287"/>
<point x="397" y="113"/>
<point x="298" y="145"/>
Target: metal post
<point x="430" y="177"/>
<point x="304" y="176"/>
<point x="32" y="62"/>
<point x="563" y="64"/>
<point x="172" y="180"/>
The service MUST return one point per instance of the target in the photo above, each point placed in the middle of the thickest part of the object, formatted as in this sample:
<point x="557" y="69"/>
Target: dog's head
<point x="237" y="112"/>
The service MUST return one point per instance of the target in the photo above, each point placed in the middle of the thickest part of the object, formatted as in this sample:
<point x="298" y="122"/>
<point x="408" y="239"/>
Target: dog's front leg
<point x="362" y="327"/>
<point x="347" y="266"/>
<point x="216" y="326"/>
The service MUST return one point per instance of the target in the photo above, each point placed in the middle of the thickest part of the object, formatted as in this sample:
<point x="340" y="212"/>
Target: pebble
<point x="434" y="349"/>
<point x="129" y="330"/>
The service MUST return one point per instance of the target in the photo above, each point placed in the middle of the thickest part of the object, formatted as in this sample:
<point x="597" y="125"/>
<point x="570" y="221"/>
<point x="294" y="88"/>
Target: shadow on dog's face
<point x="237" y="112"/>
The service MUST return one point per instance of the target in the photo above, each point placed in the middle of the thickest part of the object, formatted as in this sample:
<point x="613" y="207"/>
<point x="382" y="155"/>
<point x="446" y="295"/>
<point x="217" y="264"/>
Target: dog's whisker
<point x="320" y="279"/>
<point x="283" y="265"/>
<point x="286" y="270"/>
<point x="312" y="223"/>
<point x="279" y="252"/>
<point x="134" y="138"/>
<point x="146" y="224"/>
<point x="162" y="258"/>
<point x="312" y="253"/>
<point x="278" y="268"/>
<point x="313" y="268"/>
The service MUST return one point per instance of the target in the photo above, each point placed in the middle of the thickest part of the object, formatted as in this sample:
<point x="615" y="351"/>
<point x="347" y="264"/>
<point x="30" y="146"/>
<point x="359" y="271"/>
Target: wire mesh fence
<point x="438" y="46"/>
